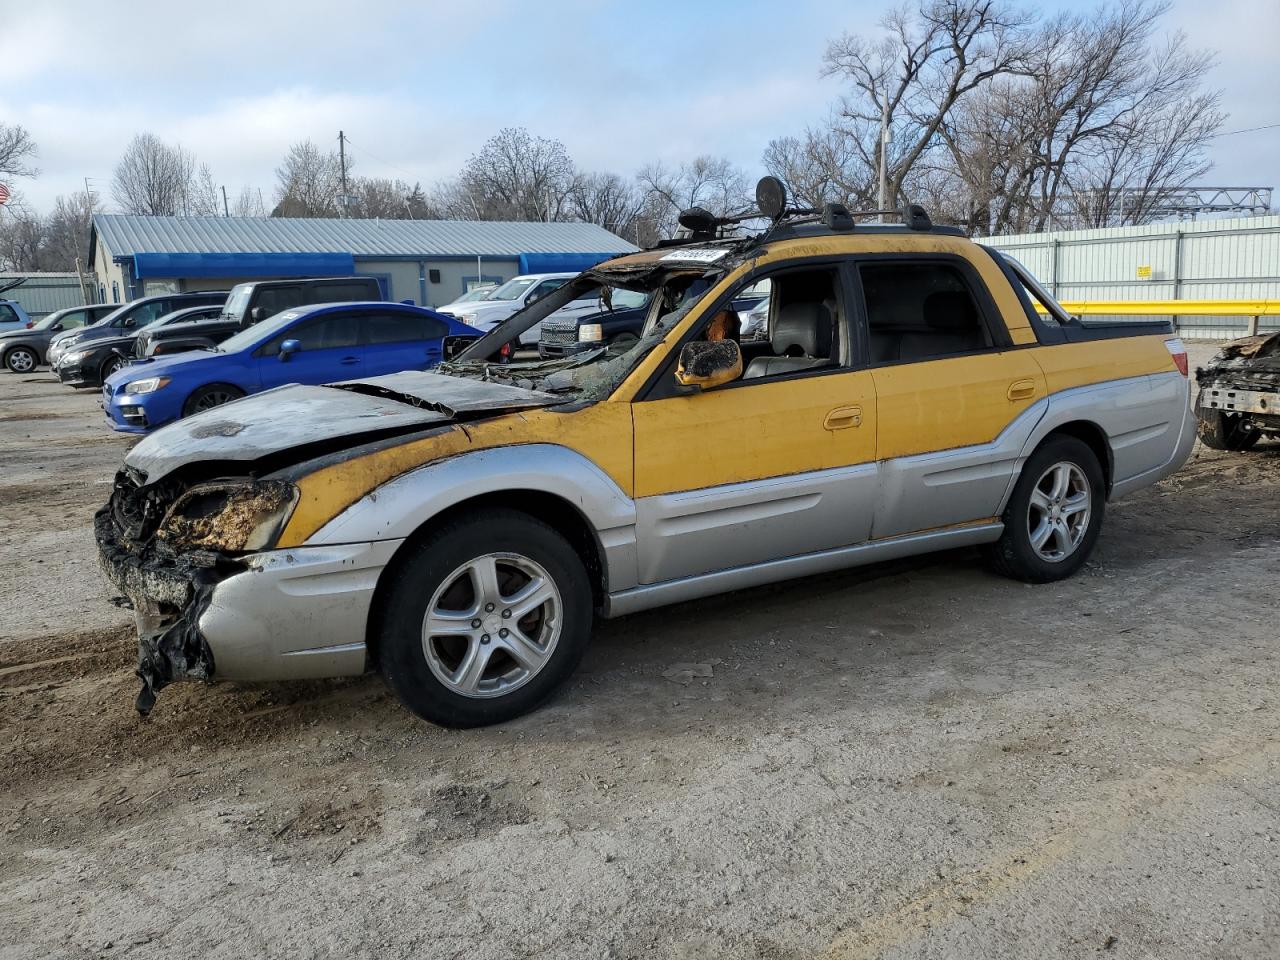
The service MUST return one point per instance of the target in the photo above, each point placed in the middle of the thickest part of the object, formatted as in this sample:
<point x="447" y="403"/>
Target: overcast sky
<point x="419" y="87"/>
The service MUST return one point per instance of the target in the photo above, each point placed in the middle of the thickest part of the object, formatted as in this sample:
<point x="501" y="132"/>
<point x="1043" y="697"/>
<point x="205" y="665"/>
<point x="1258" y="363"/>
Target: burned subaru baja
<point x="459" y="530"/>
<point x="1239" y="401"/>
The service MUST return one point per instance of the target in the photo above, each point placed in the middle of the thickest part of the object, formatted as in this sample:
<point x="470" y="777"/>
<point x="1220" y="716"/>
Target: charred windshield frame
<point x="680" y="285"/>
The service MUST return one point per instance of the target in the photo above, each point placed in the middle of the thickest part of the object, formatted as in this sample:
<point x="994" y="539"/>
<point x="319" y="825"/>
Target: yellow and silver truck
<point x="460" y="530"/>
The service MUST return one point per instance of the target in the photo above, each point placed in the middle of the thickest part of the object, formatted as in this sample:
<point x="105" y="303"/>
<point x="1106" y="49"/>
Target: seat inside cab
<point x="920" y="310"/>
<point x="804" y="317"/>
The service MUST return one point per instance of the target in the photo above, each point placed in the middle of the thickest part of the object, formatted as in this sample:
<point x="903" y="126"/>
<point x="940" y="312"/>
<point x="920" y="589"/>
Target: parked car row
<point x="164" y="357"/>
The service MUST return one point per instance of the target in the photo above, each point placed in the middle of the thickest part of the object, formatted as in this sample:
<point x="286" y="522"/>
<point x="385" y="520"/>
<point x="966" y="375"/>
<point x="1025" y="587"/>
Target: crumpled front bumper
<point x="300" y="613"/>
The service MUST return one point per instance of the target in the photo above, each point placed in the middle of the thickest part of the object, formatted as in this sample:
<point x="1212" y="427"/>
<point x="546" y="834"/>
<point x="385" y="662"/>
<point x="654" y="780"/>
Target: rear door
<point x="330" y="351"/>
<point x="399" y="340"/>
<point x="948" y="383"/>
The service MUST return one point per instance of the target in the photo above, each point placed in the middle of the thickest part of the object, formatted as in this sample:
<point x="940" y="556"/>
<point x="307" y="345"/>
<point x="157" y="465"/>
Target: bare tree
<point x="17" y="152"/>
<point x="67" y="230"/>
<point x="248" y="203"/>
<point x="514" y="176"/>
<point x="607" y="200"/>
<point x="153" y="177"/>
<point x="931" y="56"/>
<point x="822" y="166"/>
<point x="22" y="239"/>
<point x="712" y="183"/>
<point x="308" y="182"/>
<point x="204" y="199"/>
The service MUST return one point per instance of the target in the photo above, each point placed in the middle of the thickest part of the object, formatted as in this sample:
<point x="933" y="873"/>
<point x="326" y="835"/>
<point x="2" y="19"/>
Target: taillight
<point x="30" y="324"/>
<point x="1178" y="351"/>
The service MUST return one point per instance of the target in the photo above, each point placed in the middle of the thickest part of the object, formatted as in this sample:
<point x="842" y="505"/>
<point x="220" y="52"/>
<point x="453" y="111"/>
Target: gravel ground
<point x="915" y="760"/>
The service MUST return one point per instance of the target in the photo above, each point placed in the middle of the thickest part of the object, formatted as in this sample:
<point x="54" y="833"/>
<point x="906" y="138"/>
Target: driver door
<point x="762" y="468"/>
<point x="331" y="351"/>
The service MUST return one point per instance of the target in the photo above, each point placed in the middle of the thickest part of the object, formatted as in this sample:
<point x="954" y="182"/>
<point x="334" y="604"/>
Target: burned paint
<point x="227" y="517"/>
<point x="1239" y="399"/>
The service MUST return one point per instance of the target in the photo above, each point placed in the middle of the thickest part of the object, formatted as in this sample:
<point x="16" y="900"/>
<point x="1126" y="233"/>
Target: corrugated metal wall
<point x="1235" y="259"/>
<point x="43" y="293"/>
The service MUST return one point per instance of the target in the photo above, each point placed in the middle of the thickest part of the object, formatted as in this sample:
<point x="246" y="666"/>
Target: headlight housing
<point x="149" y="385"/>
<point x="75" y="356"/>
<point x="590" y="332"/>
<point x="233" y="517"/>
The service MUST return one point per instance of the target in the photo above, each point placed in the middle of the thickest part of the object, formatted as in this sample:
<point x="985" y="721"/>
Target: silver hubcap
<point x="21" y="361"/>
<point x="1059" y="513"/>
<point x="492" y="625"/>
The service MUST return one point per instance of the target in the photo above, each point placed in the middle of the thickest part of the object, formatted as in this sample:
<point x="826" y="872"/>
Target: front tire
<point x="21" y="360"/>
<point x="1219" y="430"/>
<point x="484" y="619"/>
<point x="1054" y="515"/>
<point x="109" y="366"/>
<point x="210" y="396"/>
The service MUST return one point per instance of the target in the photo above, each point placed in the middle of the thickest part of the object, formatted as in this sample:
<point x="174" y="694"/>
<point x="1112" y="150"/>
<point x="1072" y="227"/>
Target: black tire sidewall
<point x="401" y="659"/>
<point x="189" y="408"/>
<point x="107" y="369"/>
<point x="1016" y="556"/>
<point x="27" y="350"/>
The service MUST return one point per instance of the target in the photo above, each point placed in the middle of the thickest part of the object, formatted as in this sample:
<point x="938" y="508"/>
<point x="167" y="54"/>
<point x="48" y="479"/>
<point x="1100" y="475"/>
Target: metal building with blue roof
<point x="430" y="262"/>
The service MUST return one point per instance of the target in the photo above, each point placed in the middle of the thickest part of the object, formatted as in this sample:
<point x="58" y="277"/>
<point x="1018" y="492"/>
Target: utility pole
<point x="342" y="166"/>
<point x="884" y="159"/>
<point x="225" y="212"/>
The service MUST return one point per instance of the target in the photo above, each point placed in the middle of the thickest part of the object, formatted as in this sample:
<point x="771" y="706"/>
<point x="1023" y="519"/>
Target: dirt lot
<point x="917" y="760"/>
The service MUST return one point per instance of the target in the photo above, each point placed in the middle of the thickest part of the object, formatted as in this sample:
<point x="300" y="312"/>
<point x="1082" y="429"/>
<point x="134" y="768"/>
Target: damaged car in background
<point x="1239" y="401"/>
<point x="458" y="530"/>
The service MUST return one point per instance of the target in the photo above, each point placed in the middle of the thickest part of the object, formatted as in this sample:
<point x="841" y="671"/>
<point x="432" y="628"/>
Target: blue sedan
<point x="314" y="344"/>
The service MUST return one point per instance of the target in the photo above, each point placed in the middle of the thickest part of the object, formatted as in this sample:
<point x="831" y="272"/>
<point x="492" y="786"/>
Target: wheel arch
<point x="552" y="509"/>
<point x="1092" y="436"/>
<point x="205" y="386"/>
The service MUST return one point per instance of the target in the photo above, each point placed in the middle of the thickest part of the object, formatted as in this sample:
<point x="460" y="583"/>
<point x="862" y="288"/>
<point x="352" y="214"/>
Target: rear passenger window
<point x="274" y="299"/>
<point x="401" y="327"/>
<point x="918" y="311"/>
<point x="343" y="292"/>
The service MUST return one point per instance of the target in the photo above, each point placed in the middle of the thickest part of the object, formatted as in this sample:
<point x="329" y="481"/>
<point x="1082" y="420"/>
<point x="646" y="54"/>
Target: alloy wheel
<point x="21" y="361"/>
<point x="492" y="625"/>
<point x="1058" y="513"/>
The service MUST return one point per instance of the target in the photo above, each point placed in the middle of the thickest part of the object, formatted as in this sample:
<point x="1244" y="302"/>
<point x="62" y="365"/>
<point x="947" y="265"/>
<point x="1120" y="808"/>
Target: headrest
<point x="949" y="310"/>
<point x="802" y="329"/>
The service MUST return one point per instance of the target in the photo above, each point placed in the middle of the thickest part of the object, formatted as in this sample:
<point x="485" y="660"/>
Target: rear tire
<point x="1054" y="515"/>
<point x="474" y="575"/>
<point x="1219" y="430"/>
<point x="210" y="396"/>
<point x="21" y="360"/>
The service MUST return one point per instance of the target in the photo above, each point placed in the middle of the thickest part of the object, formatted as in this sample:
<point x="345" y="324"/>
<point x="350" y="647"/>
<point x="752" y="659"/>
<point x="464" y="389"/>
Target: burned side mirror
<point x="705" y="364"/>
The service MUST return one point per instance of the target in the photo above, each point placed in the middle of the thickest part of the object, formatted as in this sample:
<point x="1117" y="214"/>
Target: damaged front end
<point x="1239" y="399"/>
<point x="166" y="546"/>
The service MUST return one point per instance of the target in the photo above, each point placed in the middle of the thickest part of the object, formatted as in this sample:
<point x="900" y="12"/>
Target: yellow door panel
<point x="768" y="429"/>
<point x="952" y="402"/>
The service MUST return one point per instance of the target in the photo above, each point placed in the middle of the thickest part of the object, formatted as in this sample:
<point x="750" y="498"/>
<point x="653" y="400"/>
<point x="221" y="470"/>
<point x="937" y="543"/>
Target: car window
<point x="73" y="319"/>
<point x="806" y="326"/>
<point x="7" y="313"/>
<point x="340" y="292"/>
<point x="919" y="311"/>
<point x="145" y="313"/>
<point x="271" y="300"/>
<point x="545" y="287"/>
<point x="396" y="327"/>
<point x="331" y="331"/>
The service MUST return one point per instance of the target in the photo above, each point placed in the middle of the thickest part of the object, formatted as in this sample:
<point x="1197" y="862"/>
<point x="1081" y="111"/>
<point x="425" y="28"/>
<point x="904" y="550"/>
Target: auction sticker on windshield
<point x="706" y="255"/>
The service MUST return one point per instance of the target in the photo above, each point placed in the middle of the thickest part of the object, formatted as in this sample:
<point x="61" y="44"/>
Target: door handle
<point x="1021" y="390"/>
<point x="842" y="417"/>
<point x="347" y="361"/>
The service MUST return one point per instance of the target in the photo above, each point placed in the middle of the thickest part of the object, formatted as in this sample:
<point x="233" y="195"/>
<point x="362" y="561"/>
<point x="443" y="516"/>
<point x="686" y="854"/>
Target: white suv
<point x="516" y="294"/>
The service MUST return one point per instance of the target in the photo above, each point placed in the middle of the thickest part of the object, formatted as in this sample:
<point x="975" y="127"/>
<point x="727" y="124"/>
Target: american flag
<point x="4" y="194"/>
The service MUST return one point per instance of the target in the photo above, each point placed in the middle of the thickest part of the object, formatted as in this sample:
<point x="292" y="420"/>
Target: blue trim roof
<point x="247" y="265"/>
<point x="561" y="262"/>
<point x="124" y="236"/>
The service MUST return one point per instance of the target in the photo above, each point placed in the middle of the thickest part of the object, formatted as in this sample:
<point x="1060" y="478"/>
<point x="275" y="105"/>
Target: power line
<point x="1232" y="133"/>
<point x="365" y="153"/>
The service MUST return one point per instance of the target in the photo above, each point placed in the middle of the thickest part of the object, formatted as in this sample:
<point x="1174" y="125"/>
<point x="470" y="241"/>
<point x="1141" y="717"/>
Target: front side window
<point x="401" y="327"/>
<point x="332" y="331"/>
<point x="804" y="333"/>
<point x="74" y="319"/>
<point x="274" y="299"/>
<point x="512" y="289"/>
<point x="145" y="314"/>
<point x="920" y="311"/>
